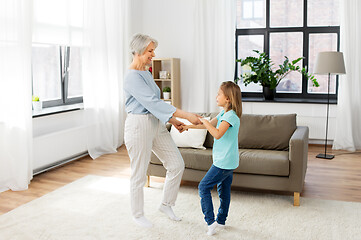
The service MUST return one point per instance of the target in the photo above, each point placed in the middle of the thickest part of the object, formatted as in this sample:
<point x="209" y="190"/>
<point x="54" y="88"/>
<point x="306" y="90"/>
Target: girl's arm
<point x="216" y="133"/>
<point x="201" y="126"/>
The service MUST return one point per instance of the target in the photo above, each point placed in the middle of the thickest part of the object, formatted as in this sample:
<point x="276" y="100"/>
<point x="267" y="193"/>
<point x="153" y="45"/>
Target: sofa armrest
<point x="298" y="156"/>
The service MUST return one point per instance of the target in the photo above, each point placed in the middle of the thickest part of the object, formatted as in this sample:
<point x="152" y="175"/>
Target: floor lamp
<point x="330" y="63"/>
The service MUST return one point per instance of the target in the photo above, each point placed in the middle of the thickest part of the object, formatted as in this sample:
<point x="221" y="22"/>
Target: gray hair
<point x="140" y="42"/>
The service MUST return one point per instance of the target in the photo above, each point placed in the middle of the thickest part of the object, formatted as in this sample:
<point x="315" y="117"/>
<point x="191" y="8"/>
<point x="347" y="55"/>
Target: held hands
<point x="177" y="124"/>
<point x="181" y="127"/>
<point x="198" y="126"/>
<point x="186" y="127"/>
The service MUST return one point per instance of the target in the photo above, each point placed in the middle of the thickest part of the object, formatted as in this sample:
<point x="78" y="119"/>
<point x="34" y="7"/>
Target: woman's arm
<point x="193" y="118"/>
<point x="216" y="133"/>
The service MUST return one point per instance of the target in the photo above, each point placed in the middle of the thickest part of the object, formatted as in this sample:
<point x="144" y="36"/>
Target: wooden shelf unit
<point x="172" y="66"/>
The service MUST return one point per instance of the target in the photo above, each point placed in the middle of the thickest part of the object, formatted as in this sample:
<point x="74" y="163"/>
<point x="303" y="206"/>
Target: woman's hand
<point x="194" y="118"/>
<point x="177" y="124"/>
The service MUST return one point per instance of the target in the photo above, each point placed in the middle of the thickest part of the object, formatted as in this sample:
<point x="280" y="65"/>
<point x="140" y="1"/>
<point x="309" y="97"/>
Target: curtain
<point x="105" y="59"/>
<point x="15" y="94"/>
<point x="58" y="22"/>
<point x="348" y="128"/>
<point x="214" y="51"/>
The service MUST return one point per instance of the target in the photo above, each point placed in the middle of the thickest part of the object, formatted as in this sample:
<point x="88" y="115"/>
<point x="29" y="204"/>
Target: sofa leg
<point x="296" y="199"/>
<point x="147" y="183"/>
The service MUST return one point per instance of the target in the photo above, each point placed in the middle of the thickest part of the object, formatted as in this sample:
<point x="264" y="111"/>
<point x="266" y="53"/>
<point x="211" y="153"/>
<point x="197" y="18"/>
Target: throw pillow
<point x="193" y="138"/>
<point x="269" y="132"/>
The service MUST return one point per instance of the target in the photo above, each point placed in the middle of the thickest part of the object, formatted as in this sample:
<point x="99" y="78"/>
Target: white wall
<point x="170" y="22"/>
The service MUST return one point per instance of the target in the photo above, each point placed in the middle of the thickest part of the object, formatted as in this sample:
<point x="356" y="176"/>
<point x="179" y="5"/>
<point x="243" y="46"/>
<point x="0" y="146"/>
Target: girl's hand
<point x="203" y="120"/>
<point x="186" y="127"/>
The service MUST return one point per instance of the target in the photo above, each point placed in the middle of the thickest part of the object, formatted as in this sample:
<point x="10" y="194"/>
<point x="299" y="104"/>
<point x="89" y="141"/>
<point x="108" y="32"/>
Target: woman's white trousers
<point x="143" y="135"/>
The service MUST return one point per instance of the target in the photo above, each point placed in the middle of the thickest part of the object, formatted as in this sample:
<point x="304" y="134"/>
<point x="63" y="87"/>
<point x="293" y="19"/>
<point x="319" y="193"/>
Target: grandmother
<point x="145" y="131"/>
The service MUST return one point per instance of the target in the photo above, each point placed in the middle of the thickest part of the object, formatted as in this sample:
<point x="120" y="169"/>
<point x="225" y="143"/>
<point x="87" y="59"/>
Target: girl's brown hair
<point x="233" y="92"/>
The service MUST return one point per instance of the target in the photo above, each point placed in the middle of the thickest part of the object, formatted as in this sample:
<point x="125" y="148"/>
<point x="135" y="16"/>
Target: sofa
<point x="273" y="154"/>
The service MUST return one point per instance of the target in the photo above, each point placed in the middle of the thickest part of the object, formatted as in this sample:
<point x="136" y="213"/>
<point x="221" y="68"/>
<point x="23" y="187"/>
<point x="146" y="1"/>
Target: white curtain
<point x="348" y="127"/>
<point x="105" y="58"/>
<point x="214" y="51"/>
<point x="58" y="22"/>
<point x="15" y="94"/>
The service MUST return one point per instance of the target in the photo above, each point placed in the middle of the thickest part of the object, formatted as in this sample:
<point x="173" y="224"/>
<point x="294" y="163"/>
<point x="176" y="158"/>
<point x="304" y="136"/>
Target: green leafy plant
<point x="35" y="99"/>
<point x="166" y="89"/>
<point x="260" y="70"/>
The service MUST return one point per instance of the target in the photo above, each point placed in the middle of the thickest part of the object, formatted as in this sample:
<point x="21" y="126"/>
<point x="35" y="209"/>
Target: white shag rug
<point x="96" y="207"/>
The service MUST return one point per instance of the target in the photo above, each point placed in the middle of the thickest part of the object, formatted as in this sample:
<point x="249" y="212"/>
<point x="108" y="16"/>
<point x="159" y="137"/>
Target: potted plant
<point x="166" y="92"/>
<point x="260" y="70"/>
<point x="37" y="104"/>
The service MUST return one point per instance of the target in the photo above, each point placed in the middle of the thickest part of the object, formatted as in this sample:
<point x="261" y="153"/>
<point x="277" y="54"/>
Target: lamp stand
<point x="324" y="155"/>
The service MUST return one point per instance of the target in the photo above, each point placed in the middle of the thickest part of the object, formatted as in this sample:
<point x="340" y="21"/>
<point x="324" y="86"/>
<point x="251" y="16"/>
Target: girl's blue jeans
<point x="223" y="178"/>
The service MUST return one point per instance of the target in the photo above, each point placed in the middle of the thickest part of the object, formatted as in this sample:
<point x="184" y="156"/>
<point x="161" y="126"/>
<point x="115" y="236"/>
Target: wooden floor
<point x="337" y="179"/>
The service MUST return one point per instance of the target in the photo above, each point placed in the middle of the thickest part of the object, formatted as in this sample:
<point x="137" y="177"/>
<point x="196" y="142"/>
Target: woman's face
<point x="148" y="54"/>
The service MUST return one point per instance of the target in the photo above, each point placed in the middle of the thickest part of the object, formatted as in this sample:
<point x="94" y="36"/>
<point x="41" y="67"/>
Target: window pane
<point x="246" y="44"/>
<point x="75" y="88"/>
<point x="251" y="14"/>
<point x="46" y="72"/>
<point x="323" y="13"/>
<point x="286" y="13"/>
<point x="320" y="43"/>
<point x="290" y="45"/>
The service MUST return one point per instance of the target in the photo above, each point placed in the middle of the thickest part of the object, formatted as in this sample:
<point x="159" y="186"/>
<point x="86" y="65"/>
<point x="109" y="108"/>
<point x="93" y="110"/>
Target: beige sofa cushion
<point x="272" y="132"/>
<point x="264" y="162"/>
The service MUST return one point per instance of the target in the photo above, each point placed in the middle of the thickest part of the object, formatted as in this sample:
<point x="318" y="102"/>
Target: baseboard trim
<point x="58" y="164"/>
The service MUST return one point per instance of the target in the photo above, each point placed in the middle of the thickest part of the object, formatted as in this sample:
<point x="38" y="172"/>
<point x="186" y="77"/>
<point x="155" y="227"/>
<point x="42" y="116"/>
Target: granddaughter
<point x="224" y="128"/>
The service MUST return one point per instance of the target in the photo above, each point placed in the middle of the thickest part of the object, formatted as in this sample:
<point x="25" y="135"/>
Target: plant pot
<point x="37" y="106"/>
<point x="166" y="95"/>
<point x="269" y="94"/>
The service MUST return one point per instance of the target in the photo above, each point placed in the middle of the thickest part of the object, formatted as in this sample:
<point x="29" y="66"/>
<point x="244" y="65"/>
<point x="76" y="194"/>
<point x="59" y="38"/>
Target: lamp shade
<point x="329" y="63"/>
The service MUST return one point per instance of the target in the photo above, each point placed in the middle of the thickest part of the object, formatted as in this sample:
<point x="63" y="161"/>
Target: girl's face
<point x="222" y="100"/>
<point x="148" y="54"/>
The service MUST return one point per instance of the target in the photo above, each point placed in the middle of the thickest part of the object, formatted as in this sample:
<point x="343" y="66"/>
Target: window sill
<point x="57" y="110"/>
<point x="289" y="100"/>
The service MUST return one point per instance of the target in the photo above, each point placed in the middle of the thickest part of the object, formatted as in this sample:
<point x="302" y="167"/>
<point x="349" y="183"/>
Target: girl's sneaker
<point x="212" y="229"/>
<point x="221" y="226"/>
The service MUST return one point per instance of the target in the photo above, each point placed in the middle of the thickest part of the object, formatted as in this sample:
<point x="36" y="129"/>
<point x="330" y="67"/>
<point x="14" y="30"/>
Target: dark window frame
<point x="304" y="96"/>
<point x="64" y="78"/>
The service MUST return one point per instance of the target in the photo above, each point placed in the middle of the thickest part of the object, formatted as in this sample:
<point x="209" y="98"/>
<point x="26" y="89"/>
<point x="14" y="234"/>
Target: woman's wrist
<point x="188" y="115"/>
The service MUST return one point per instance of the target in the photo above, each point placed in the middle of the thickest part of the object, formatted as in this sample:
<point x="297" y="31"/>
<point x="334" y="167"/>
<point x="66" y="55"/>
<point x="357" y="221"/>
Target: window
<point x="56" y="53"/>
<point x="251" y="13"/>
<point x="291" y="28"/>
<point x="56" y="74"/>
